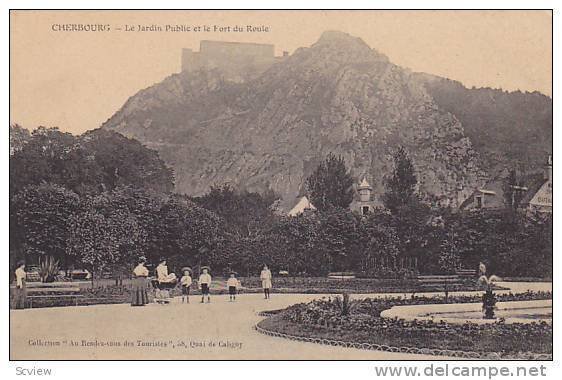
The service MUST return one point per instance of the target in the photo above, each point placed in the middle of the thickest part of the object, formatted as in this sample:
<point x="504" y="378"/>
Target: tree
<point x="19" y="136"/>
<point x="401" y="184"/>
<point x="101" y="236"/>
<point x="145" y="206"/>
<point x="126" y="162"/>
<point x="97" y="161"/>
<point x="190" y="234"/>
<point x="512" y="190"/>
<point x="294" y="244"/>
<point x="244" y="212"/>
<point x="330" y="185"/>
<point x="341" y="238"/>
<point x="379" y="239"/>
<point x="52" y="156"/>
<point x="39" y="217"/>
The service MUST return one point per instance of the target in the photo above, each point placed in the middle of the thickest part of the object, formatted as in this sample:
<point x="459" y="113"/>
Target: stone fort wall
<point x="229" y="57"/>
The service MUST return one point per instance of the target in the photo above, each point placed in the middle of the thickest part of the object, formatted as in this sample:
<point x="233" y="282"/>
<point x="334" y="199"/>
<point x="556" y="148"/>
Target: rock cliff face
<point x="508" y="129"/>
<point x="270" y="131"/>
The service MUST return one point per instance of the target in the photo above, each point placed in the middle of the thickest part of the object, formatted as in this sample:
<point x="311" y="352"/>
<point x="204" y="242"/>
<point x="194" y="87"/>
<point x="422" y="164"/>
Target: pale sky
<point x="77" y="80"/>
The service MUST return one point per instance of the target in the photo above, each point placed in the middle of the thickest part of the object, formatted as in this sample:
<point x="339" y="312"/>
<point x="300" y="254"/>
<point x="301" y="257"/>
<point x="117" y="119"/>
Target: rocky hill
<point x="270" y="131"/>
<point x="508" y="129"/>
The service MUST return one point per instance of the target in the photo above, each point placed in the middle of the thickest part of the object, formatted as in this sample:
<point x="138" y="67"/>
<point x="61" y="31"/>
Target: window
<point x="479" y="202"/>
<point x="365" y="210"/>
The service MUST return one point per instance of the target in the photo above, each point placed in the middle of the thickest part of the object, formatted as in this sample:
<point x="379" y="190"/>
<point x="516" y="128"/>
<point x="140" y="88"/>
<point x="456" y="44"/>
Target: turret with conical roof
<point x="365" y="190"/>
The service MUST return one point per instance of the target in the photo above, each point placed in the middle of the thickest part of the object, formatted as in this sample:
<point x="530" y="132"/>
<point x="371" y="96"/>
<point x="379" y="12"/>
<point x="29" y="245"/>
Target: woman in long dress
<point x="265" y="278"/>
<point x="140" y="275"/>
<point x="19" y="291"/>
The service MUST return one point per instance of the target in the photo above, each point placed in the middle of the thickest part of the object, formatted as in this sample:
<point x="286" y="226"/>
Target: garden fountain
<point x="488" y="299"/>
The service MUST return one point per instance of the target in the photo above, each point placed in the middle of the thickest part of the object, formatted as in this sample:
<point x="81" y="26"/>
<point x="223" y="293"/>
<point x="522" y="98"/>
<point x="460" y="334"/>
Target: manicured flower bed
<point x="362" y="323"/>
<point x="324" y="285"/>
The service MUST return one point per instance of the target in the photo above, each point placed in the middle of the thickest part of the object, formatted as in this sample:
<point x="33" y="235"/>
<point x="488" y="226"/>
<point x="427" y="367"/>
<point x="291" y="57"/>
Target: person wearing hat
<point x="265" y="277"/>
<point x="20" y="292"/>
<point x="185" y="284"/>
<point x="140" y="276"/>
<point x="205" y="284"/>
<point x="232" y="283"/>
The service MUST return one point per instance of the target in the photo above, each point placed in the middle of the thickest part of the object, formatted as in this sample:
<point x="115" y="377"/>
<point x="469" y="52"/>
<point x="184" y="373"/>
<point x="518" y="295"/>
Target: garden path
<point x="48" y="333"/>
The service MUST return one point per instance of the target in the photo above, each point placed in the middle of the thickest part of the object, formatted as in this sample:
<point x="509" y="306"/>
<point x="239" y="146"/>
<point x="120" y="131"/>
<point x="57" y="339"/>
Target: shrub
<point x="48" y="269"/>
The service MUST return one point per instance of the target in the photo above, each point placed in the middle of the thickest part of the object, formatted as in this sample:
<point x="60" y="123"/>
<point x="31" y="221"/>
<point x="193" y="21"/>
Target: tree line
<point x="101" y="200"/>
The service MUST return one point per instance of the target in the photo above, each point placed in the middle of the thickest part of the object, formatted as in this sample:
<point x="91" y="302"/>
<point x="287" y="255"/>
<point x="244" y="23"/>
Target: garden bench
<point x="53" y="290"/>
<point x="441" y="281"/>
<point x="466" y="273"/>
<point x="75" y="296"/>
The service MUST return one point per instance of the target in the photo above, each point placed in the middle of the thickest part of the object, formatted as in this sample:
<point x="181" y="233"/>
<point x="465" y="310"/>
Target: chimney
<point x="548" y="169"/>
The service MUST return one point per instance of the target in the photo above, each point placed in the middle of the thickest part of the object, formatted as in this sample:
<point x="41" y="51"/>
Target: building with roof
<point x="303" y="205"/>
<point x="490" y="196"/>
<point x="363" y="202"/>
<point x="531" y="193"/>
<point x="538" y="198"/>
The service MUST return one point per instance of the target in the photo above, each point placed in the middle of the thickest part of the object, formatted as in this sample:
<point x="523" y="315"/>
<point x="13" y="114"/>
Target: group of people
<point x="165" y="281"/>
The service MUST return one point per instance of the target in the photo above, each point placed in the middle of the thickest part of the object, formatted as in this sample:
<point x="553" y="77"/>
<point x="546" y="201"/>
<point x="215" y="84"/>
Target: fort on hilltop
<point x="234" y="59"/>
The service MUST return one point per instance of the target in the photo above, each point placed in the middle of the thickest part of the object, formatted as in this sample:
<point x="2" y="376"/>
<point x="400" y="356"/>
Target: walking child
<point x="185" y="285"/>
<point x="232" y="283"/>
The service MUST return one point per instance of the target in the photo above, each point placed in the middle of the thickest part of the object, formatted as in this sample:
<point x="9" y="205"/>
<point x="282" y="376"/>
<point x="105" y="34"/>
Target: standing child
<point x="185" y="284"/>
<point x="232" y="285"/>
<point x="205" y="284"/>
<point x="265" y="277"/>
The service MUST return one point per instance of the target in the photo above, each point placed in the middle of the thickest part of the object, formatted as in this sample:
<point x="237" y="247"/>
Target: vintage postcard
<point x="281" y="185"/>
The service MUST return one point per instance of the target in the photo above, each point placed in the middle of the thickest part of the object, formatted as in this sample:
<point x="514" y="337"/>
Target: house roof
<point x="364" y="184"/>
<point x="530" y="183"/>
<point x="493" y="187"/>
<point x="302" y="204"/>
<point x="534" y="185"/>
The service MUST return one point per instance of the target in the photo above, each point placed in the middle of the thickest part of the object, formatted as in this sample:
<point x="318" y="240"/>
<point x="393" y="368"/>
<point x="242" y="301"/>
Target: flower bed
<point x="362" y="324"/>
<point x="324" y="285"/>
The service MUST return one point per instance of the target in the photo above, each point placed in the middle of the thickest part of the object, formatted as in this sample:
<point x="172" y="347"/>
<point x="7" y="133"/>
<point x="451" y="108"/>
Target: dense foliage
<point x="507" y="129"/>
<point x="401" y="183"/>
<point x="330" y="185"/>
<point x="94" y="162"/>
<point x="100" y="200"/>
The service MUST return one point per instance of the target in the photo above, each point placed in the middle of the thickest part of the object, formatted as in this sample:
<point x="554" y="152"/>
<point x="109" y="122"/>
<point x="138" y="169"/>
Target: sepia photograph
<point x="281" y="185"/>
